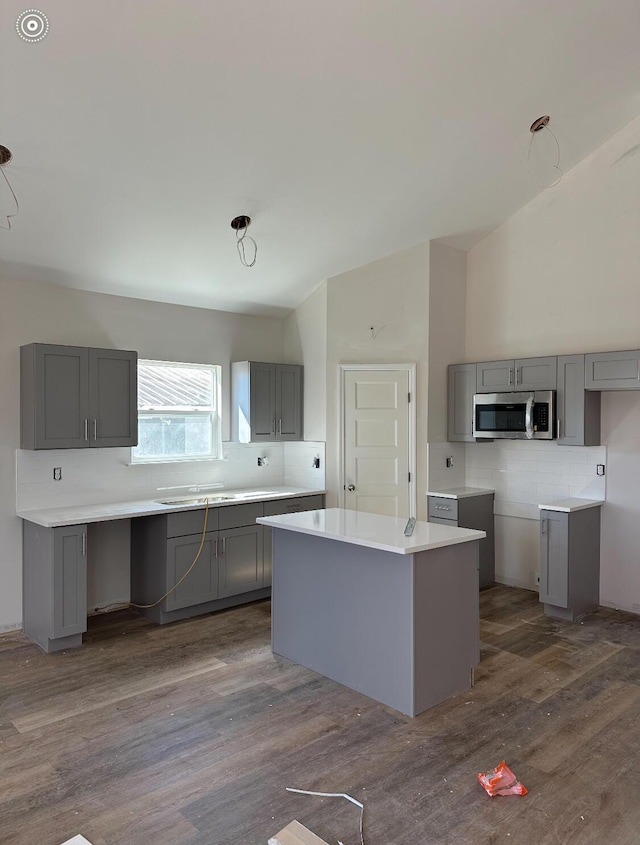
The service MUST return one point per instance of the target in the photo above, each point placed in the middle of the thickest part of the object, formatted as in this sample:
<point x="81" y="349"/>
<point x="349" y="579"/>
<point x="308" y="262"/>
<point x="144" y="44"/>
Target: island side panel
<point x="345" y="611"/>
<point x="446" y="622"/>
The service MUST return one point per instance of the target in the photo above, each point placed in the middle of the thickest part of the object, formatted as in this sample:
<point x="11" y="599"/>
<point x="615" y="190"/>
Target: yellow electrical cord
<point x="122" y="605"/>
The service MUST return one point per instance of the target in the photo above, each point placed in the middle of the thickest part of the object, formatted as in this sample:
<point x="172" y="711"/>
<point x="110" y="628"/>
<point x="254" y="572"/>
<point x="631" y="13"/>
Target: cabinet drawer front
<point x="181" y="523"/>
<point x="235" y="516"/>
<point x="442" y="507"/>
<point x="438" y="520"/>
<point x="303" y="503"/>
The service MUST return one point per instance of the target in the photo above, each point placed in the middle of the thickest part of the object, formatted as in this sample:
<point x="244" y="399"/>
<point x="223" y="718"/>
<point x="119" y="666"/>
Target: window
<point x="178" y="412"/>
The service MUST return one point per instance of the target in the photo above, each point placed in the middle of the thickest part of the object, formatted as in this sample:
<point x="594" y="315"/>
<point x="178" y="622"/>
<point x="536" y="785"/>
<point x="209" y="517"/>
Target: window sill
<point x="170" y="461"/>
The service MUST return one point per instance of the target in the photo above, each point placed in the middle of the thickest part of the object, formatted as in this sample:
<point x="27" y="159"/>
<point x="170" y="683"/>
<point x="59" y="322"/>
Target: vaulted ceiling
<point x="346" y="129"/>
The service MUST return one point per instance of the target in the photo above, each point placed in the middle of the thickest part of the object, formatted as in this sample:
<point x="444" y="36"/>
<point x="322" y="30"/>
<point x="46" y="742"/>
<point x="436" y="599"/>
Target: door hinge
<point x="409" y="397"/>
<point x="409" y="476"/>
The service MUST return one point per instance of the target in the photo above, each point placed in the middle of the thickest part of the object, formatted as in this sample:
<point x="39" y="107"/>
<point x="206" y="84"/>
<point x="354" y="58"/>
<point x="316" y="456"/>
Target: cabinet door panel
<point x="263" y="402"/>
<point x="288" y="402"/>
<point x="536" y="373"/>
<point x="613" y="370"/>
<point x="495" y="376"/>
<point x="554" y="558"/>
<point x="201" y="584"/>
<point x="461" y="387"/>
<point x="240" y="560"/>
<point x="69" y="581"/>
<point x="113" y="397"/>
<point x="61" y="396"/>
<point x="578" y="410"/>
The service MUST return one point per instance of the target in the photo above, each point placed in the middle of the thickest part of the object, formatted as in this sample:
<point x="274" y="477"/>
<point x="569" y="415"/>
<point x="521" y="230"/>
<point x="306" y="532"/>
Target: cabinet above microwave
<point x="516" y="374"/>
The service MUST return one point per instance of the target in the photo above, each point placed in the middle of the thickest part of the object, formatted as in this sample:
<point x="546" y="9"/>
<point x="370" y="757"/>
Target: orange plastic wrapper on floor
<point x="501" y="781"/>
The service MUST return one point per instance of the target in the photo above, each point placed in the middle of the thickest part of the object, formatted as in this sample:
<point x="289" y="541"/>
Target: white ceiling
<point x="347" y="129"/>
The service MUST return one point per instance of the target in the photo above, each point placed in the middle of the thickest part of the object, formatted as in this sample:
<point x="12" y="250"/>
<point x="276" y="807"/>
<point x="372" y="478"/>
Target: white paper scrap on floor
<point x="77" y="840"/>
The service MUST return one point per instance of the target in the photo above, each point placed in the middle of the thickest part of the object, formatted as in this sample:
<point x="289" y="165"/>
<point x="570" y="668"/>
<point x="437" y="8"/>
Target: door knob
<point x="351" y="488"/>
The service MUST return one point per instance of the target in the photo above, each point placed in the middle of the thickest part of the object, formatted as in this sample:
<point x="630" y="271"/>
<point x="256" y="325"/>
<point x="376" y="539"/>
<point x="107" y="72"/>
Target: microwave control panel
<point x="541" y="417"/>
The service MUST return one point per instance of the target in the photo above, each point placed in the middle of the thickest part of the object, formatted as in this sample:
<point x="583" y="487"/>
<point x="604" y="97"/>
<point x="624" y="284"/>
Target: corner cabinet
<point x="77" y="397"/>
<point x="461" y="387"/>
<point x="516" y="374"/>
<point x="470" y="511"/>
<point x="569" y="562"/>
<point x="266" y="401"/>
<point x="277" y="508"/>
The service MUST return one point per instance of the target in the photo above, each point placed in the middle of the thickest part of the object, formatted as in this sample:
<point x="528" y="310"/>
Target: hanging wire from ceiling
<point x="5" y="157"/>
<point x="547" y="171"/>
<point x="241" y="224"/>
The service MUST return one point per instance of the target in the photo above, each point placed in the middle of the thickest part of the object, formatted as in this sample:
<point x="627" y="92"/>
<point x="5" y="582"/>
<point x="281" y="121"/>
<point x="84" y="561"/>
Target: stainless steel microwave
<point x="515" y="416"/>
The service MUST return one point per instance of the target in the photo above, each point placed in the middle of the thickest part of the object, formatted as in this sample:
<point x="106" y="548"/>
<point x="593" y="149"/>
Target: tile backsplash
<point x="93" y="476"/>
<point x="525" y="474"/>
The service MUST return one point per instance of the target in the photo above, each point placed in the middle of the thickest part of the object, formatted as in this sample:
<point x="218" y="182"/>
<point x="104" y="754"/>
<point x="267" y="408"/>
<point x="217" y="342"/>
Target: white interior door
<point x="376" y="441"/>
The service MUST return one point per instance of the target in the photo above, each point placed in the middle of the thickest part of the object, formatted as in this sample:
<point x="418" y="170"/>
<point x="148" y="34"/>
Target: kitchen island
<point x="393" y="617"/>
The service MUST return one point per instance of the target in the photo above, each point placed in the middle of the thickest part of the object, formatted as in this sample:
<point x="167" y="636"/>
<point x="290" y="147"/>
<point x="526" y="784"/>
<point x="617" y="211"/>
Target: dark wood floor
<point x="190" y="733"/>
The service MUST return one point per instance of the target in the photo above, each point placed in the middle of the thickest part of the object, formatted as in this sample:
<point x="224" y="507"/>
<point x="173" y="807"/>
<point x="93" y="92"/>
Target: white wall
<point x="305" y="342"/>
<point x="48" y="314"/>
<point x="560" y="276"/>
<point x="392" y="295"/>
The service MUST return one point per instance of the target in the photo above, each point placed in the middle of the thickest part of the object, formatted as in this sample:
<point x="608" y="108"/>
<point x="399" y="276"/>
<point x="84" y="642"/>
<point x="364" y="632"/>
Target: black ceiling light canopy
<point x="240" y="224"/>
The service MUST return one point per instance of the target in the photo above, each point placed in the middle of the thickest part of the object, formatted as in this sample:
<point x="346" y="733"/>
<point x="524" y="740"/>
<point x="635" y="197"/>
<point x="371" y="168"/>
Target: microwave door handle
<point x="528" y="418"/>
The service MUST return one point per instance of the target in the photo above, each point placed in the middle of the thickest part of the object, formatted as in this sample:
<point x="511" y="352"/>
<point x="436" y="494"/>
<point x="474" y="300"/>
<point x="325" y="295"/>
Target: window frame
<point x="215" y="412"/>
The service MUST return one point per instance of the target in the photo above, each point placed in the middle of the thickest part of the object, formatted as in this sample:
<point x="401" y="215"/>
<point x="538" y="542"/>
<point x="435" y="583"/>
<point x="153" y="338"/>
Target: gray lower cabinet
<point x="281" y="506"/>
<point x="461" y="387"/>
<point x="267" y="401"/>
<point x="76" y="397"/>
<point x="201" y="584"/>
<point x="569" y="562"/>
<point x="516" y="374"/>
<point x="613" y="370"/>
<point x="228" y="571"/>
<point x="240" y="561"/>
<point x="469" y="512"/>
<point x="578" y="410"/>
<point x="54" y="585"/>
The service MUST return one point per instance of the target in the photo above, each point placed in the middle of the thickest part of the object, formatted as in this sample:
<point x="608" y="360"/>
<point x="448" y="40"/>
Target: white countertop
<point x="79" y="514"/>
<point x="460" y="492"/>
<point x="570" y="505"/>
<point x="372" y="530"/>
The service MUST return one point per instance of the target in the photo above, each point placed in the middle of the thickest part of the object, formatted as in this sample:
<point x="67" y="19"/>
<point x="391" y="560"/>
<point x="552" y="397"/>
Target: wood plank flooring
<point x="189" y="733"/>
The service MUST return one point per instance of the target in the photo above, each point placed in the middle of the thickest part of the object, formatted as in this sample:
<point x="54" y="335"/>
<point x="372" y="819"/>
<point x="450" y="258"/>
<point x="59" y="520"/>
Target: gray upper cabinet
<point x="578" y="411"/>
<point x="516" y="374"/>
<point x="113" y="397"/>
<point x="461" y="387"/>
<point x="613" y="370"/>
<point x="75" y="397"/>
<point x="266" y="401"/>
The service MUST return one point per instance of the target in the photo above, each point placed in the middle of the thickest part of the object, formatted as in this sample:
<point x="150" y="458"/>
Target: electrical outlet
<point x="450" y="461"/>
<point x="599" y="469"/>
<point x="57" y="473"/>
<point x="316" y="463"/>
